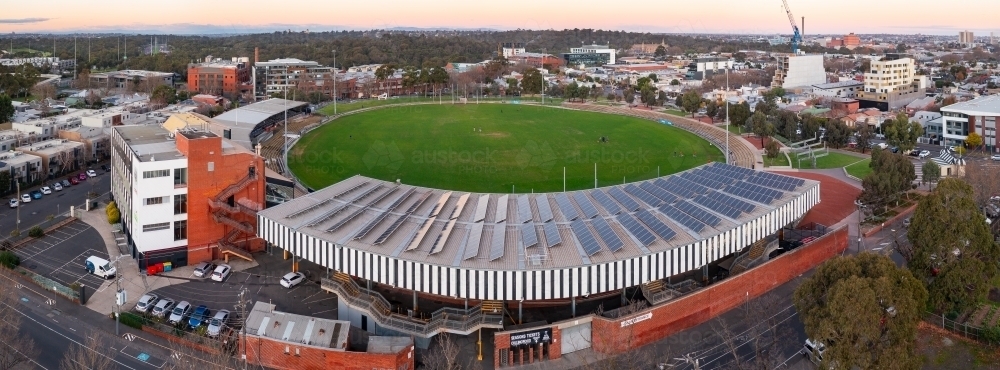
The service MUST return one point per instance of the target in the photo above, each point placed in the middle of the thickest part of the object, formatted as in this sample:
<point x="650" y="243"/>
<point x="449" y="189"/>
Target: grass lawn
<point x="676" y="112"/>
<point x="860" y="169"/>
<point x="780" y="160"/>
<point x="833" y="160"/>
<point x="521" y="146"/>
<point x="368" y="103"/>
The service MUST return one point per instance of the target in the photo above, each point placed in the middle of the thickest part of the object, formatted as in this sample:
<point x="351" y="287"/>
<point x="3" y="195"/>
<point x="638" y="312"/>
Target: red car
<point x="82" y="176"/>
<point x="73" y="180"/>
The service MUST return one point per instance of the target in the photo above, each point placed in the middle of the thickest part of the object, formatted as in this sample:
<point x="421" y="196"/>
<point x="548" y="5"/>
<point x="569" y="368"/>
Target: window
<point x="157" y="173"/>
<point x="154" y="200"/>
<point x="180" y="204"/>
<point x="180" y="230"/>
<point x="180" y="176"/>
<point x="155" y="227"/>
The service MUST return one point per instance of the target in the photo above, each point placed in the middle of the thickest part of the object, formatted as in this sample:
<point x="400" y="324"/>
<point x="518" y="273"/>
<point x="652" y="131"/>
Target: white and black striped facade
<point x="510" y="277"/>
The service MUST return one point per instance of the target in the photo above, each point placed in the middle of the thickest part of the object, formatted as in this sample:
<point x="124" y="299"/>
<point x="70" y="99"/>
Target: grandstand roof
<point x="510" y="231"/>
<point x="243" y="120"/>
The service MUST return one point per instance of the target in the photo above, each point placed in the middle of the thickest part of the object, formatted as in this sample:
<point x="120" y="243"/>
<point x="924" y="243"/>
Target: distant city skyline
<point x="707" y="16"/>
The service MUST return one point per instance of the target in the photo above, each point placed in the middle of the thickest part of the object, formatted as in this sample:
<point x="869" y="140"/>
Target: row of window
<point x="180" y="228"/>
<point x="180" y="202"/>
<point x="180" y="175"/>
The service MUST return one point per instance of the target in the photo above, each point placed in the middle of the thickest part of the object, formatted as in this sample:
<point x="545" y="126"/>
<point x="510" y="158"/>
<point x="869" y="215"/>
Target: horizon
<point x="716" y="17"/>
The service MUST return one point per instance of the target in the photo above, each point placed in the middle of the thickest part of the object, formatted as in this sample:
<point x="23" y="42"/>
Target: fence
<point x="965" y="330"/>
<point x="50" y="285"/>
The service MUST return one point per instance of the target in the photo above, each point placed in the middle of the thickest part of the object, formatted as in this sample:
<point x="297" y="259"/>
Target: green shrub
<point x="114" y="215"/>
<point x="9" y="259"/>
<point x="131" y="320"/>
<point x="36" y="232"/>
<point x="991" y="334"/>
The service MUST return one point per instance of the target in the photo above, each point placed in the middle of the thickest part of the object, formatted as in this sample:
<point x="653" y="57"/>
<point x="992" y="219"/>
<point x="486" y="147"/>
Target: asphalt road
<point x="58" y="202"/>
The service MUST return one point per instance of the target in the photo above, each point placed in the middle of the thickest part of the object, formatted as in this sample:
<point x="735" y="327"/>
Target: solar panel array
<point x="359" y="211"/>
<point x="523" y="209"/>
<point x="544" y="211"/>
<point x="622" y="198"/>
<point x="643" y="195"/>
<point x="501" y="214"/>
<point x="585" y="237"/>
<point x="324" y="202"/>
<point x="552" y="236"/>
<point x="529" y="236"/>
<point x="567" y="209"/>
<point x="636" y="229"/>
<point x="496" y="246"/>
<point x="653" y="223"/>
<point x="606" y="202"/>
<point x="371" y="224"/>
<point x="333" y="212"/>
<point x="732" y="201"/>
<point x="785" y="179"/>
<point x="753" y="192"/>
<point x="682" y="218"/>
<point x="481" y="208"/>
<point x="607" y="234"/>
<point x="718" y="207"/>
<point x="399" y="221"/>
<point x="711" y="181"/>
<point x="658" y="192"/>
<point x="585" y="204"/>
<point x="775" y="182"/>
<point x="472" y="243"/>
<point x="699" y="213"/>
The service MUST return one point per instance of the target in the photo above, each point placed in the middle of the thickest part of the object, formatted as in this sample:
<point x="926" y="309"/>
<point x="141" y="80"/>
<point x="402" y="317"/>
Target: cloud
<point x="23" y="20"/>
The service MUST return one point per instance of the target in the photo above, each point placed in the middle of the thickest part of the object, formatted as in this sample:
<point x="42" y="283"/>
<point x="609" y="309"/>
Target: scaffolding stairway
<point x="744" y="261"/>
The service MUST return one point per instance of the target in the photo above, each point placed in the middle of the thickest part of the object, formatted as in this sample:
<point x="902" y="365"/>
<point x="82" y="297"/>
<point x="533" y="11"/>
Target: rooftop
<point x="50" y="147"/>
<point x="132" y="73"/>
<point x="983" y="106"/>
<point x="839" y="85"/>
<point x="11" y="159"/>
<point x="285" y="61"/>
<point x="251" y="115"/>
<point x="264" y="321"/>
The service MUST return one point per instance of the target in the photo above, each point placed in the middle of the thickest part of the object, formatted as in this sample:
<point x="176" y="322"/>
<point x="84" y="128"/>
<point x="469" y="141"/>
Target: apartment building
<point x="59" y="156"/>
<point x="23" y="168"/>
<point x="966" y="38"/>
<point x="799" y="71"/>
<point x="217" y="76"/>
<point x="509" y="49"/>
<point x="538" y="60"/>
<point x="702" y="68"/>
<point x="130" y="77"/>
<point x="185" y="196"/>
<point x="843" y="89"/>
<point x="96" y="143"/>
<point x="278" y="75"/>
<point x="979" y="115"/>
<point x="891" y="83"/>
<point x="590" y="56"/>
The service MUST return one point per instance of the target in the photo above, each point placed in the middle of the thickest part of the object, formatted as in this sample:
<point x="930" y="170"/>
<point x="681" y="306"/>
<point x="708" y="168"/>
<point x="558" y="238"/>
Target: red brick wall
<point x="271" y="353"/>
<point x="517" y="357"/>
<point x="668" y="319"/>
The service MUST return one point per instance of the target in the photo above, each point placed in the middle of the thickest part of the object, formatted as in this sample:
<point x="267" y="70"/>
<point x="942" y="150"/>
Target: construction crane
<point x="796" y="35"/>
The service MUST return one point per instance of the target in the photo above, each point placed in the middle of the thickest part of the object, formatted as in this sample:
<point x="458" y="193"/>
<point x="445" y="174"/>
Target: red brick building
<point x="219" y="77"/>
<point x="538" y="60"/>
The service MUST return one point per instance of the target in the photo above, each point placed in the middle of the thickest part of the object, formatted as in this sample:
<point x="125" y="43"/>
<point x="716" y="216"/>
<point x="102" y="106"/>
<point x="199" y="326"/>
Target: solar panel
<point x="770" y="193"/>
<point x="643" y="195"/>
<point x="472" y="244"/>
<point x="371" y="224"/>
<point x="732" y="202"/>
<point x="606" y="202"/>
<point x="633" y="227"/>
<point x="328" y="215"/>
<point x="552" y="236"/>
<point x="658" y="192"/>
<point x="523" y="209"/>
<point x="321" y="203"/>
<point x="529" y="236"/>
<point x="699" y="213"/>
<point x="690" y="181"/>
<point x="359" y="211"/>
<point x="710" y="180"/>
<point x="658" y="227"/>
<point x="585" y="237"/>
<point x="399" y="221"/>
<point x="718" y="207"/>
<point x="670" y="184"/>
<point x="682" y="218"/>
<point x="567" y="209"/>
<point x="544" y="210"/>
<point x="786" y="179"/>
<point x="624" y="199"/>
<point x="501" y="214"/>
<point x="585" y="204"/>
<point x="481" y="208"/>
<point x="747" y="194"/>
<point x="497" y="246"/>
<point x="607" y="234"/>
<point x="771" y="183"/>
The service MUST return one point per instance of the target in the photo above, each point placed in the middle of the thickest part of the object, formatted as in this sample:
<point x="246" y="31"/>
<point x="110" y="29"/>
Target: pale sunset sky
<point x="702" y="16"/>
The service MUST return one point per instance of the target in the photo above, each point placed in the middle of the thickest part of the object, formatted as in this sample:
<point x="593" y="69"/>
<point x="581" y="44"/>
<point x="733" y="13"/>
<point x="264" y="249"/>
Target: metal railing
<point x="451" y="320"/>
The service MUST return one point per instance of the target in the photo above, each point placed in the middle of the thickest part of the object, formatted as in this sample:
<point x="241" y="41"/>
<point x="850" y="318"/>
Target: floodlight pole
<point x="595" y="175"/>
<point x="334" y="86"/>
<point x="727" y="116"/>
<point x="564" y="179"/>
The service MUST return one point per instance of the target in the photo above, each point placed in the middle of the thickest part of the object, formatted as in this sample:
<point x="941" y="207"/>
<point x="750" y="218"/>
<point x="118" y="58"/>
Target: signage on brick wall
<point x="531" y="338"/>
<point x="643" y="317"/>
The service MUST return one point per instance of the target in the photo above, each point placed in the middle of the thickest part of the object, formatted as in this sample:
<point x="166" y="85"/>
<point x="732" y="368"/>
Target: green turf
<point x="676" y="112"/>
<point x="780" y="160"/>
<point x="833" y="160"/>
<point x="860" y="169"/>
<point x="520" y="145"/>
<point x="368" y="103"/>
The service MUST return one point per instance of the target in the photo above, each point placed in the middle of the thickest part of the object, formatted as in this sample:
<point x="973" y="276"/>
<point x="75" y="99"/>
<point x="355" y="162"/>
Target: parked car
<point x="66" y="183"/>
<point x="105" y="168"/>
<point x="894" y="149"/>
<point x="924" y="153"/>
<point x="292" y="279"/>
<point x="906" y="222"/>
<point x="914" y="153"/>
<point x="181" y="310"/>
<point x="73" y="180"/>
<point x="57" y="186"/>
<point x="25" y="198"/>
<point x="163" y="306"/>
<point x="91" y="173"/>
<point x="35" y="194"/>
<point x="13" y="203"/>
<point x="146" y="302"/>
<point x="882" y="145"/>
<point x="199" y="317"/>
<point x="82" y="176"/>
<point x="814" y="351"/>
<point x="100" y="267"/>
<point x="995" y="157"/>
<point x="218" y="321"/>
<point x="951" y="149"/>
<point x="204" y="269"/>
<point x="45" y="190"/>
<point x="221" y="272"/>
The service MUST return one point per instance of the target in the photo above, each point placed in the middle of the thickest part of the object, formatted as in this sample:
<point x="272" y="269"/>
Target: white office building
<point x="843" y="89"/>
<point x="799" y="71"/>
<point x="979" y="115"/>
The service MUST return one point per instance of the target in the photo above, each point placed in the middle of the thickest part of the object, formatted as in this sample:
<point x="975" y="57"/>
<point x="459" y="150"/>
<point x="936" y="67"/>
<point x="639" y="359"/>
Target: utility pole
<point x="241" y="307"/>
<point x="118" y="294"/>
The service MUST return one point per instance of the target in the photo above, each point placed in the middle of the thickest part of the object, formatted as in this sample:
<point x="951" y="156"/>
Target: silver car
<point x="217" y="322"/>
<point x="162" y="307"/>
<point x="147" y="301"/>
<point x="180" y="312"/>
<point x="204" y="269"/>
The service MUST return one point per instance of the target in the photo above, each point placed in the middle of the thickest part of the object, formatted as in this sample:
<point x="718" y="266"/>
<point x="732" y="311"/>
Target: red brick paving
<point x="836" y="199"/>
<point x="753" y="139"/>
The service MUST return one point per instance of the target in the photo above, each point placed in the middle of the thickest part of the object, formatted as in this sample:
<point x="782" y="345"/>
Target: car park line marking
<point x="319" y="312"/>
<point x="320" y="300"/>
<point x="53" y="245"/>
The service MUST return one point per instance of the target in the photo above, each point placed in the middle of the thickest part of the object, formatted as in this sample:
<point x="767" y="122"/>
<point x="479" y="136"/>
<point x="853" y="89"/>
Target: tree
<point x="531" y="83"/>
<point x="973" y="140"/>
<point x="88" y="355"/>
<point x="758" y="125"/>
<point x="383" y="72"/>
<point x="642" y="82"/>
<point x="660" y="52"/>
<point x="865" y="310"/>
<point x="902" y="133"/>
<point x="572" y="91"/>
<point x="931" y="173"/>
<point x="739" y="114"/>
<point x="691" y="102"/>
<point x="652" y="77"/>
<point x="778" y="91"/>
<point x="629" y="96"/>
<point x="164" y="94"/>
<point x="837" y="133"/>
<point x="584" y="93"/>
<point x="674" y="82"/>
<point x="647" y="95"/>
<point x="711" y="109"/>
<point x="772" y="150"/>
<point x="891" y="175"/>
<point x="865" y="136"/>
<point x="6" y="109"/>
<point x="661" y="98"/>
<point x="953" y="252"/>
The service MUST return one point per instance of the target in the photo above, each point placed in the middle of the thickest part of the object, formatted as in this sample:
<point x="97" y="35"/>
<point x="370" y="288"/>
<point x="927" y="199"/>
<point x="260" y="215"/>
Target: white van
<point x="100" y="267"/>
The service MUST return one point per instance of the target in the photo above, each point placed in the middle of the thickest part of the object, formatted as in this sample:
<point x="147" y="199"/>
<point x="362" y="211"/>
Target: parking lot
<point x="60" y="255"/>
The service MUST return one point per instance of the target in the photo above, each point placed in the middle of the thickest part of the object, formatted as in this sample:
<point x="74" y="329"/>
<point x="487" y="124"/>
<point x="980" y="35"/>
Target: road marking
<point x="66" y="337"/>
<point x="50" y="302"/>
<point x="18" y="286"/>
<point x="129" y="336"/>
<point x="175" y="355"/>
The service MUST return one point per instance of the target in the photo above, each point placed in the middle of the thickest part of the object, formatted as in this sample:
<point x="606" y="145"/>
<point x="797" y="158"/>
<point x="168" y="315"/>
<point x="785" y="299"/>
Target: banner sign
<point x="531" y="338"/>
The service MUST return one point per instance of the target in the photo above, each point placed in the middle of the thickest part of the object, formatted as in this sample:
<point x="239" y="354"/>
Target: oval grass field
<point x="495" y="148"/>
